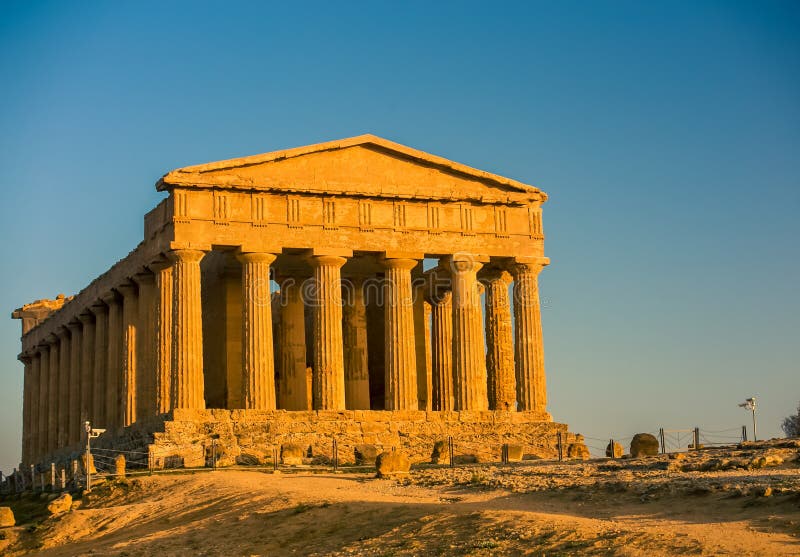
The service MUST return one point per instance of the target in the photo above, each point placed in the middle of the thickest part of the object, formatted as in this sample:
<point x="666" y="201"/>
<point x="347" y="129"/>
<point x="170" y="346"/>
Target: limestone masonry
<point x="184" y="339"/>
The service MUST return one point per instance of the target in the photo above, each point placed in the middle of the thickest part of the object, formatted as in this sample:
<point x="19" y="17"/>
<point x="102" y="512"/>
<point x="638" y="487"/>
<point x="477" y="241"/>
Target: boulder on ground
<point x="644" y="444"/>
<point x="248" y="459"/>
<point x="392" y="463"/>
<point x="614" y="452"/>
<point x="441" y="452"/>
<point x="119" y="466"/>
<point x="292" y="454"/>
<point x="766" y="461"/>
<point x="60" y="504"/>
<point x="91" y="468"/>
<point x="365" y="454"/>
<point x="514" y="453"/>
<point x="6" y="517"/>
<point x="578" y="451"/>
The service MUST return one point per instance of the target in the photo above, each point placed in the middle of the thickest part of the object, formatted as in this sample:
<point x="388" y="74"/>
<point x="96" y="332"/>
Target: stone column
<point x="75" y="386"/>
<point x="130" y="334"/>
<point x="187" y="389"/>
<point x="328" y="371"/>
<point x="27" y="386"/>
<point x="401" y="354"/>
<point x="98" y="414"/>
<point x="43" y="425"/>
<point x="52" y="394"/>
<point x="146" y="346"/>
<point x="113" y="381"/>
<point x="63" y="386"/>
<point x="294" y="386"/>
<point x="163" y="364"/>
<point x="442" y="351"/>
<point x="469" y="353"/>
<point x="87" y="370"/>
<point x="354" y="334"/>
<point x="258" y="357"/>
<point x="499" y="341"/>
<point x="529" y="348"/>
<point x="33" y="393"/>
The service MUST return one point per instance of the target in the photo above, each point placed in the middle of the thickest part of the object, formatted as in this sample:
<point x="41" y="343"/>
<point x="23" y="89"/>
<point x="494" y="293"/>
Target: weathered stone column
<point x="43" y="425"/>
<point x="164" y="303"/>
<point x="87" y="370"/>
<point x="98" y="414"/>
<point x="499" y="341"/>
<point x="401" y="354"/>
<point x="63" y="386"/>
<point x="293" y="384"/>
<point x="356" y="371"/>
<point x="113" y="343"/>
<point x="469" y="353"/>
<point x="33" y="393"/>
<point x="328" y="371"/>
<point x="146" y="346"/>
<point x="442" y="351"/>
<point x="130" y="334"/>
<point x="75" y="386"/>
<point x="52" y="394"/>
<point x="187" y="331"/>
<point x="27" y="385"/>
<point x="258" y="357"/>
<point x="529" y="348"/>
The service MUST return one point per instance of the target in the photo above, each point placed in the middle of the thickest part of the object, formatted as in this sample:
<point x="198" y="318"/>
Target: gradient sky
<point x="667" y="136"/>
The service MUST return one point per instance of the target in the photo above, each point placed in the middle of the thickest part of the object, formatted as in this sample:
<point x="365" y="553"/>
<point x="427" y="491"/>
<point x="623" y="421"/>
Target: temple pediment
<point x="363" y="166"/>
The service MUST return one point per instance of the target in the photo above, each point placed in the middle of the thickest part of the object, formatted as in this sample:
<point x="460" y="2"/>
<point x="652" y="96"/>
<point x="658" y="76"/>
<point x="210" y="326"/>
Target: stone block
<point x="515" y="453"/>
<point x="441" y="452"/>
<point x="6" y="517"/>
<point x="578" y="451"/>
<point x="392" y="463"/>
<point x="614" y="452"/>
<point x="292" y="454"/>
<point x="644" y="444"/>
<point x="60" y="505"/>
<point x="365" y="454"/>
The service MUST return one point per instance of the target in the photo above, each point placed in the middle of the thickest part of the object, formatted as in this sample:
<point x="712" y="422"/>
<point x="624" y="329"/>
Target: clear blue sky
<point x="667" y="136"/>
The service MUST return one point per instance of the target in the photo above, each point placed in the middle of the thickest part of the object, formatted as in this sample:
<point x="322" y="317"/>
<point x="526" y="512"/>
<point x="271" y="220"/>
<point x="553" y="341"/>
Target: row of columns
<point x="138" y="351"/>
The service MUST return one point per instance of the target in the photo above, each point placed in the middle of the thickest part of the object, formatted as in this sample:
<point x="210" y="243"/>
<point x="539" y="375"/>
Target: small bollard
<point x="119" y="466"/>
<point x="33" y="477"/>
<point x="52" y="476"/>
<point x="63" y="479"/>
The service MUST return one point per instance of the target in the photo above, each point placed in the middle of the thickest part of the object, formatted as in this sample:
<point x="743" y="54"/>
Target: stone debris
<point x="60" y="505"/>
<point x="365" y="454"/>
<point x="614" y="452"/>
<point x="392" y="463"/>
<point x="578" y="451"/>
<point x="6" y="517"/>
<point x="292" y="455"/>
<point x="644" y="444"/>
<point x="119" y="466"/>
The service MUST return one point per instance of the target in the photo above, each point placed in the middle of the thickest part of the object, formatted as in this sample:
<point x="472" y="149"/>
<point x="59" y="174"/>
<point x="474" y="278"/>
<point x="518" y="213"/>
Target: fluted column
<point x="113" y="406"/>
<point x="258" y="356"/>
<point x="163" y="364"/>
<point x="146" y="345"/>
<point x="356" y="371"/>
<point x="27" y="386"/>
<point x="63" y="385"/>
<point x="529" y="348"/>
<point x="328" y="372"/>
<point x="33" y="412"/>
<point x="98" y="415"/>
<point x="130" y="338"/>
<point x="187" y="389"/>
<point x="442" y="351"/>
<point x="52" y="394"/>
<point x="43" y="426"/>
<point x="87" y="370"/>
<point x="74" y="410"/>
<point x="293" y="384"/>
<point x="469" y="353"/>
<point x="401" y="354"/>
<point x="499" y="341"/>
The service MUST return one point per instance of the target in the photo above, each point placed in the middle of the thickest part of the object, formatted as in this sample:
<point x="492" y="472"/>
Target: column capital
<point x="256" y="257"/>
<point x="127" y="289"/>
<point x="463" y="262"/>
<point x="523" y="265"/>
<point x="186" y="255"/>
<point x="399" y="263"/>
<point x="159" y="264"/>
<point x="495" y="274"/>
<point x="86" y="317"/>
<point x="62" y="332"/>
<point x="145" y="276"/>
<point x="74" y="326"/>
<point x="327" y="261"/>
<point x="110" y="298"/>
<point x="25" y="358"/>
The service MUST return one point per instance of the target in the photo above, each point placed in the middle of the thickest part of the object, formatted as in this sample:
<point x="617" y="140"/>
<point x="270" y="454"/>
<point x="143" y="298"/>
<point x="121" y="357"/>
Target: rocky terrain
<point x="742" y="500"/>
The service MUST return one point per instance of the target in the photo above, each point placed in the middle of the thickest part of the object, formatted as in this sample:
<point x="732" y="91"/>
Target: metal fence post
<point x="335" y="455"/>
<point x="744" y="433"/>
<point x="450" y="450"/>
<point x="662" y="440"/>
<point x="560" y="447"/>
<point x="696" y="438"/>
<point x="52" y="476"/>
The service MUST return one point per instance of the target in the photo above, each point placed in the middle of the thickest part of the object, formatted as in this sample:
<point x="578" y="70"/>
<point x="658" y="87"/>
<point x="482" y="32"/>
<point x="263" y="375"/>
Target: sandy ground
<point x="437" y="512"/>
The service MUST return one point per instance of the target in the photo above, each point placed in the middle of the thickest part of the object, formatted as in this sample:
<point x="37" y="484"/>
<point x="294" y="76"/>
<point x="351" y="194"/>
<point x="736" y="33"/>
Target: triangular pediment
<point x="363" y="165"/>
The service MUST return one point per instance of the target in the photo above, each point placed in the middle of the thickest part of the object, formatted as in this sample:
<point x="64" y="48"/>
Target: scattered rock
<point x="292" y="454"/>
<point x="365" y="454"/>
<point x="248" y="459"/>
<point x="766" y="461"/>
<point x="392" y="463"/>
<point x="578" y="451"/>
<point x="514" y="453"/>
<point x="765" y="491"/>
<point x="119" y="466"/>
<point x="91" y="468"/>
<point x="441" y="453"/>
<point x="60" y="505"/>
<point x="6" y="517"/>
<point x="644" y="444"/>
<point x="614" y="452"/>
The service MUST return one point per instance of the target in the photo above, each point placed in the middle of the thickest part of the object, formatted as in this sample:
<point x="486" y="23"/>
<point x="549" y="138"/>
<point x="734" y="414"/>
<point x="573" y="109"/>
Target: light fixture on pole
<point x="750" y="404"/>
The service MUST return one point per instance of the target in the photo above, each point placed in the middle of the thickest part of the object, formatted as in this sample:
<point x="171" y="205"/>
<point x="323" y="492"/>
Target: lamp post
<point x="750" y="404"/>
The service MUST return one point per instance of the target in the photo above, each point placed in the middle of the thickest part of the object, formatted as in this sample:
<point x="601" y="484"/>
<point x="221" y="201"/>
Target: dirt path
<point x="252" y="513"/>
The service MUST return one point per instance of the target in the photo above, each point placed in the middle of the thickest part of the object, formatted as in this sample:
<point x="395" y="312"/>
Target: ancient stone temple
<point x="283" y="298"/>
